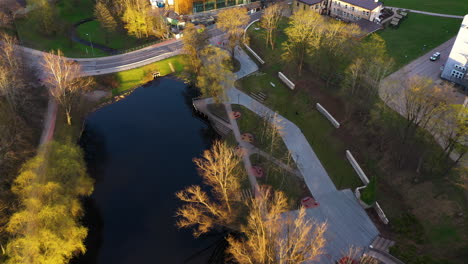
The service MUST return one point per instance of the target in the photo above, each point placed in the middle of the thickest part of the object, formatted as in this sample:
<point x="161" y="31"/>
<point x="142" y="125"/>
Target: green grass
<point x="136" y="77"/>
<point x="276" y="177"/>
<point x="117" y="40"/>
<point x="299" y="108"/>
<point x="250" y="122"/>
<point x="31" y="37"/>
<point x="70" y="12"/>
<point x="407" y="42"/>
<point x="450" y="7"/>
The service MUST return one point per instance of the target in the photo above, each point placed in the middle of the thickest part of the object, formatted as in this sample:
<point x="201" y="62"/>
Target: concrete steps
<point x="382" y="244"/>
<point x="261" y="97"/>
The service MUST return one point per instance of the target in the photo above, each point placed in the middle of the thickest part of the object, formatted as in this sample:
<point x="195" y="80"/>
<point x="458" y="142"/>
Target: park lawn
<point x="31" y="37"/>
<point x="136" y="77"/>
<point x="34" y="39"/>
<point x="407" y="42"/>
<point x="297" y="107"/>
<point x="250" y="122"/>
<point x="117" y="40"/>
<point x="450" y="7"/>
<point x="281" y="180"/>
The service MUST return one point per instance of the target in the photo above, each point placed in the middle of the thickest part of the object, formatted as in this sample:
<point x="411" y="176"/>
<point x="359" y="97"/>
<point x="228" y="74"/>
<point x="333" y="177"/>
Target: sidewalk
<point x="426" y="13"/>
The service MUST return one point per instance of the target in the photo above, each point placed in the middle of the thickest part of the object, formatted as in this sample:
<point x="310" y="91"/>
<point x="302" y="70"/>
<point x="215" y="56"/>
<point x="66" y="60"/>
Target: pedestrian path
<point x="315" y="176"/>
<point x="427" y="13"/>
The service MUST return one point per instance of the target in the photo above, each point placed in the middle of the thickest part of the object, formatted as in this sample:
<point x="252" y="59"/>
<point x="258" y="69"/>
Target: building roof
<point x="366" y="4"/>
<point x="459" y="53"/>
<point x="310" y="2"/>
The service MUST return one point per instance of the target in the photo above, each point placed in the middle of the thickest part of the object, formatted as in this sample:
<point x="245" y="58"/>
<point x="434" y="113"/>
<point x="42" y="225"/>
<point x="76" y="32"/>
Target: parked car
<point x="435" y="56"/>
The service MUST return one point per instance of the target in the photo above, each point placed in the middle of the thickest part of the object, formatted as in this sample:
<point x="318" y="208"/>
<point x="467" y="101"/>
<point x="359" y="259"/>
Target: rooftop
<point x="367" y="4"/>
<point x="310" y="2"/>
<point x="459" y="53"/>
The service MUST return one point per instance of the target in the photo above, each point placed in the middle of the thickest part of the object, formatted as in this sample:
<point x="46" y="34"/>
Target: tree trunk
<point x="68" y="117"/>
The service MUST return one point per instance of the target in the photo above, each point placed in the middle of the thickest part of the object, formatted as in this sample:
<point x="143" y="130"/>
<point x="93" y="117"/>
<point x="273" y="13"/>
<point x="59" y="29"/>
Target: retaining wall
<point x="283" y="78"/>
<point x="357" y="168"/>
<point x="328" y="115"/>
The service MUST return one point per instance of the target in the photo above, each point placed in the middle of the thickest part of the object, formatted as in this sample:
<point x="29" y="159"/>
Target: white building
<point x="455" y="69"/>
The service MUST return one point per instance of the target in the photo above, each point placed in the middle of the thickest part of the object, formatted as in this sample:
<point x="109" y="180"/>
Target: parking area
<point x="392" y="87"/>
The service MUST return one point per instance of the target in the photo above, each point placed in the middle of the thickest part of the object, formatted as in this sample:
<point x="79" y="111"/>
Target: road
<point x="134" y="59"/>
<point x="426" y="13"/>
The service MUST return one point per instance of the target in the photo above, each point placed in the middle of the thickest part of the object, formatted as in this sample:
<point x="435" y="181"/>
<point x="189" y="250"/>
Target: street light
<point x="89" y="37"/>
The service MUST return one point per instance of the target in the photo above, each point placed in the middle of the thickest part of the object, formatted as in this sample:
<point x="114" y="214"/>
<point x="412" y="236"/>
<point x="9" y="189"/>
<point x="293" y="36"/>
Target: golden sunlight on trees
<point x="232" y="21"/>
<point x="269" y="22"/>
<point x="64" y="80"/>
<point x="46" y="228"/>
<point x="220" y="170"/>
<point x="273" y="235"/>
<point x="304" y="35"/>
<point x="194" y="40"/>
<point x="137" y="18"/>
<point x="215" y="74"/>
<point x="104" y="16"/>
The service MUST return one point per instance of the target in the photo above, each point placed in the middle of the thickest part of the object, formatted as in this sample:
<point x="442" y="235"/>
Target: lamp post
<point x="89" y="37"/>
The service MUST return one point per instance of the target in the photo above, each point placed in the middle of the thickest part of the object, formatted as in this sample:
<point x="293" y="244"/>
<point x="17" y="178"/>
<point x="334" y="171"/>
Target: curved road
<point x="134" y="59"/>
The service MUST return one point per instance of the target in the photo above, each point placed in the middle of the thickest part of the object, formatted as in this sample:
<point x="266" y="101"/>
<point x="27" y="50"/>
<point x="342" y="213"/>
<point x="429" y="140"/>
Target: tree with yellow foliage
<point x="232" y="21"/>
<point x="215" y="75"/>
<point x="46" y="229"/>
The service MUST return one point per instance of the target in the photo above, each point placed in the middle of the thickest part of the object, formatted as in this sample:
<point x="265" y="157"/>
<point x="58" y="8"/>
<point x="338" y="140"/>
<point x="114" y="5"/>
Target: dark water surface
<point x="140" y="152"/>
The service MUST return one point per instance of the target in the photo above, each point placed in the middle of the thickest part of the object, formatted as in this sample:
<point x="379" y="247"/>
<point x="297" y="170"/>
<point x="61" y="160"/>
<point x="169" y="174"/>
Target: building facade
<point x="347" y="10"/>
<point x="185" y="7"/>
<point x="353" y="10"/>
<point x="455" y="69"/>
<point x="319" y="6"/>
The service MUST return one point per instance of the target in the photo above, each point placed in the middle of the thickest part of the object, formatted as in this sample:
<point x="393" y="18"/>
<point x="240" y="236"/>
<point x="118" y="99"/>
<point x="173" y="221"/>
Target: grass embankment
<point x="450" y="7"/>
<point x="424" y="215"/>
<point x="136" y="77"/>
<point x="417" y="35"/>
<point x="299" y="108"/>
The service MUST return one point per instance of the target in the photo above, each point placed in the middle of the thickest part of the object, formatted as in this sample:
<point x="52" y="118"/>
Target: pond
<point x="140" y="151"/>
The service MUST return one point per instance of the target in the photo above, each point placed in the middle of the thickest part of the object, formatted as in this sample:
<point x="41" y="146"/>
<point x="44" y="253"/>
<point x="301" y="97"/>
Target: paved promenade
<point x="307" y="161"/>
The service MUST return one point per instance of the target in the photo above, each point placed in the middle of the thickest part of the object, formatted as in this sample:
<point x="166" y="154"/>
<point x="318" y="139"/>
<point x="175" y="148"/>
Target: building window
<point x="457" y="74"/>
<point x="316" y="6"/>
<point x="363" y="12"/>
<point x="297" y="4"/>
<point x="304" y="7"/>
<point x="346" y="7"/>
<point x="352" y="8"/>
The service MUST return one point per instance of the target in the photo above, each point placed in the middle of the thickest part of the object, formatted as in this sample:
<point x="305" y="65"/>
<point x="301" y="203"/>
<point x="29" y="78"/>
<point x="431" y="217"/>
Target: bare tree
<point x="422" y="103"/>
<point x="273" y="235"/>
<point x="64" y="80"/>
<point x="220" y="170"/>
<point x="269" y="22"/>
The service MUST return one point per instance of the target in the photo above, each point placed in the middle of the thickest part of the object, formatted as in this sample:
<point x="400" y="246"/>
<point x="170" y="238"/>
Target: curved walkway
<point x="427" y="13"/>
<point x="76" y="38"/>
